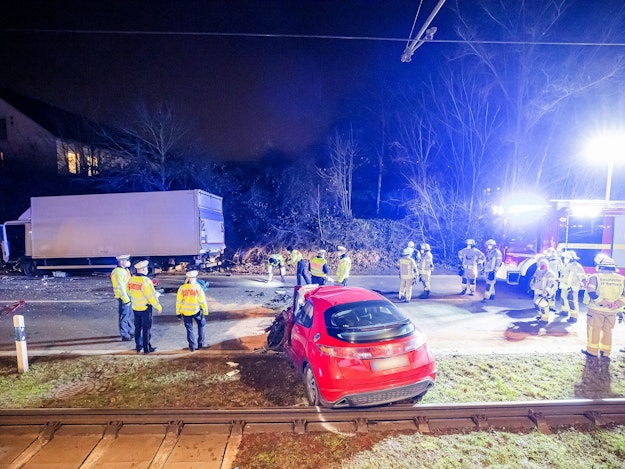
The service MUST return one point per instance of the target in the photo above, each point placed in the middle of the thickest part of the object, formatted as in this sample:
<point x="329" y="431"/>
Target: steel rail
<point x="425" y="418"/>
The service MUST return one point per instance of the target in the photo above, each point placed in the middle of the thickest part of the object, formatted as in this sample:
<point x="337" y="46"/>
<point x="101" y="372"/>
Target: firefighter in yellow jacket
<point x="572" y="279"/>
<point x="191" y="306"/>
<point x="144" y="298"/>
<point x="471" y="258"/>
<point x="605" y="295"/>
<point x="544" y="284"/>
<point x="425" y="266"/>
<point x="493" y="260"/>
<point x="119" y="278"/>
<point x="407" y="274"/>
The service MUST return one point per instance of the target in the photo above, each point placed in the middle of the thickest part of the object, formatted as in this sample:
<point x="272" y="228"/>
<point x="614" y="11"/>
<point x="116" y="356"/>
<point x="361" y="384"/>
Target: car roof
<point x="329" y="296"/>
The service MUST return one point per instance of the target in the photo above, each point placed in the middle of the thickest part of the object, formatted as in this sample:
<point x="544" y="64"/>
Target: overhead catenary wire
<point x="309" y="36"/>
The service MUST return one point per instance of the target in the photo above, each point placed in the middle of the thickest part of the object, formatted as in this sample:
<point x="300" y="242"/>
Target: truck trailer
<point x="89" y="231"/>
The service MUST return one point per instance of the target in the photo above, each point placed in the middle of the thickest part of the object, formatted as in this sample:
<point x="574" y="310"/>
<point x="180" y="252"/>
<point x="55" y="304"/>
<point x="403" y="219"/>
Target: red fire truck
<point x="588" y="227"/>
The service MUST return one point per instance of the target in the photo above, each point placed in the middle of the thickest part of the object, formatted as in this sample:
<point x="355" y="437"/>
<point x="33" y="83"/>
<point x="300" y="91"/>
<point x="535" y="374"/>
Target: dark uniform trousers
<point x="188" y="324"/>
<point x="143" y="328"/>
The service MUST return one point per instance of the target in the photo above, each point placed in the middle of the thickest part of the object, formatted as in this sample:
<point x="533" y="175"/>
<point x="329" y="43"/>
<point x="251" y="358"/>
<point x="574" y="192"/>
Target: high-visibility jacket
<point x="276" y="259"/>
<point x="119" y="279"/>
<point x="296" y="256"/>
<point x="544" y="282"/>
<point x="142" y="293"/>
<point x="407" y="268"/>
<point x="426" y="263"/>
<point x="190" y="299"/>
<point x="493" y="260"/>
<point x="609" y="288"/>
<point x="318" y="267"/>
<point x="555" y="264"/>
<point x="345" y="265"/>
<point x="573" y="276"/>
<point x="471" y="257"/>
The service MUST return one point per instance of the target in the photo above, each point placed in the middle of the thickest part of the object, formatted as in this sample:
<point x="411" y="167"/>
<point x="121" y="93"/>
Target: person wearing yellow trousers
<point x="605" y="295"/>
<point x="572" y="279"/>
<point x="425" y="265"/>
<point x="407" y="274"/>
<point x="191" y="306"/>
<point x="471" y="258"/>
<point x="544" y="285"/>
<point x="491" y="265"/>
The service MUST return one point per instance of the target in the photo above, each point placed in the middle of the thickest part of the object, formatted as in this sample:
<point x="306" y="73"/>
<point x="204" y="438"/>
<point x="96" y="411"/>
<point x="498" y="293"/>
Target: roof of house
<point x="58" y="122"/>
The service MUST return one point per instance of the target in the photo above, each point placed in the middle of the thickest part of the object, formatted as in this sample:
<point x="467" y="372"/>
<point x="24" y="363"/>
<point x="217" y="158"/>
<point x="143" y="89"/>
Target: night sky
<point x="243" y="95"/>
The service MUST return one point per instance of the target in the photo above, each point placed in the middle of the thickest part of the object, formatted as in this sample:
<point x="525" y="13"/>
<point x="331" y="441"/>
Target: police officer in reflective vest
<point x="143" y="297"/>
<point x="191" y="306"/>
<point x="605" y="295"/>
<point x="275" y="260"/>
<point x="344" y="267"/>
<point x="492" y="263"/>
<point x="119" y="278"/>
<point x="471" y="258"/>
<point x="407" y="274"/>
<point x="319" y="268"/>
<point x="298" y="261"/>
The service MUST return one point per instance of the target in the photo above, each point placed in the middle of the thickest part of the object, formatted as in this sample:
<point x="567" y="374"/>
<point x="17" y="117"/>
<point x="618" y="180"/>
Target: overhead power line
<point x="304" y="36"/>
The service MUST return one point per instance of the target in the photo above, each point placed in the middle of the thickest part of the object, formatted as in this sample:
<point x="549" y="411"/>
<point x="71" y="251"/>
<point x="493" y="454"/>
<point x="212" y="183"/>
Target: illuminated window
<point x="73" y="162"/>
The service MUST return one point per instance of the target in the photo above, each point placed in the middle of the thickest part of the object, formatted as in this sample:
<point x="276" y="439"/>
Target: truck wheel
<point x="29" y="267"/>
<point x="312" y="391"/>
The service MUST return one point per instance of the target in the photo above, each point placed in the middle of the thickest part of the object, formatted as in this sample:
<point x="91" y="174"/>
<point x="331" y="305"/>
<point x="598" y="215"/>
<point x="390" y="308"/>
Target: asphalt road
<point x="78" y="315"/>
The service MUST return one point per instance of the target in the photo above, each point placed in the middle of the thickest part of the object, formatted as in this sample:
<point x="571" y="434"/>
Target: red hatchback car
<point x="353" y="347"/>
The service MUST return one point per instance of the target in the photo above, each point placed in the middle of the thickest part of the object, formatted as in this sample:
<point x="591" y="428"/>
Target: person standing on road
<point x="555" y="265"/>
<point x="470" y="258"/>
<point x="605" y="295"/>
<point x="425" y="266"/>
<point x="492" y="263"/>
<point x="344" y="267"/>
<point x="275" y="260"/>
<point x="191" y="306"/>
<point x="544" y="285"/>
<point x="119" y="278"/>
<point x="299" y="262"/>
<point x="144" y="298"/>
<point x="407" y="275"/>
<point x="573" y="279"/>
<point x="319" y="268"/>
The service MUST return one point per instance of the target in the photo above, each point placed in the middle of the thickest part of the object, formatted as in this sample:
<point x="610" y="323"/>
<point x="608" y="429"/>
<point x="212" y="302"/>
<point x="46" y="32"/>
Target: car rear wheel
<point x="312" y="391"/>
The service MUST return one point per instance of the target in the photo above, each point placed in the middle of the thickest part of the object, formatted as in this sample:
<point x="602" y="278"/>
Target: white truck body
<point x="180" y="225"/>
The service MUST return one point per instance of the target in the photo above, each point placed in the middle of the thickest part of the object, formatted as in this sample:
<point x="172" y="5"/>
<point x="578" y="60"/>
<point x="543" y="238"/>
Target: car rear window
<point x="367" y="321"/>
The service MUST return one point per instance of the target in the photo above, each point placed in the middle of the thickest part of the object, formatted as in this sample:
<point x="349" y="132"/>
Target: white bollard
<point x="20" y="343"/>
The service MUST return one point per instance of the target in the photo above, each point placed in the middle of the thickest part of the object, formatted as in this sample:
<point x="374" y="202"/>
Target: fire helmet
<point x="425" y="247"/>
<point x="406" y="252"/>
<point x="411" y="244"/>
<point x="470" y="242"/>
<point x="606" y="263"/>
<point x="491" y="243"/>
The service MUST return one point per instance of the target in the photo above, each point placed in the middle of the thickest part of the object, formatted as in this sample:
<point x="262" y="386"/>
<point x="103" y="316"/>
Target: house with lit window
<point x="41" y="137"/>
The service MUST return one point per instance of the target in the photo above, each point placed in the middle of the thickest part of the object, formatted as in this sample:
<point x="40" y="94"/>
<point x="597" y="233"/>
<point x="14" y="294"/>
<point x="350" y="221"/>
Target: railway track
<point x="161" y="438"/>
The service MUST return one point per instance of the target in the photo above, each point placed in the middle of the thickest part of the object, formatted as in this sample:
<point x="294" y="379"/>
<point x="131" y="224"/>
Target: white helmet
<point x="411" y="244"/>
<point x="491" y="243"/>
<point x="425" y="247"/>
<point x="406" y="252"/>
<point x="470" y="242"/>
<point x="550" y="252"/>
<point x="599" y="257"/>
<point x="607" y="263"/>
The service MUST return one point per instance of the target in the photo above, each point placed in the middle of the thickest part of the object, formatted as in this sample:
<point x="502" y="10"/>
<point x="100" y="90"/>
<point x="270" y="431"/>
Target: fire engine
<point x="588" y="227"/>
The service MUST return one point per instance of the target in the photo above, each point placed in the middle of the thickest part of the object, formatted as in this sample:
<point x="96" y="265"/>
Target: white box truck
<point x="89" y="231"/>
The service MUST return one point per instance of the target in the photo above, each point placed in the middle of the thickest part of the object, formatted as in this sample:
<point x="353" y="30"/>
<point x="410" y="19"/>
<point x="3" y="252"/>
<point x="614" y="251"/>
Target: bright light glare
<point x="606" y="146"/>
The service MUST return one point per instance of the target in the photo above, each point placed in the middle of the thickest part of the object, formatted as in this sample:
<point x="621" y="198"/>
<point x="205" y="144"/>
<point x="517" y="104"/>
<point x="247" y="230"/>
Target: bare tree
<point x="343" y="152"/>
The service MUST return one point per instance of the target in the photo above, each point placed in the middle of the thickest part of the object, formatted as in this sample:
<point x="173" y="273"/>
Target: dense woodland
<point x="421" y="160"/>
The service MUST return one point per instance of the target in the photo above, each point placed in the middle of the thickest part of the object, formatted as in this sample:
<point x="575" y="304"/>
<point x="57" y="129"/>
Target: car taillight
<point x="376" y="351"/>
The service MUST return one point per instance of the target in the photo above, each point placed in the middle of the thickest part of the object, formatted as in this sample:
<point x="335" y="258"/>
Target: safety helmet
<point x="411" y="244"/>
<point x="406" y="252"/>
<point x="607" y="263"/>
<point x="470" y="242"/>
<point x="599" y="257"/>
<point x="322" y="252"/>
<point x="341" y="249"/>
<point x="425" y="247"/>
<point x="491" y="243"/>
<point x="567" y="256"/>
<point x="550" y="252"/>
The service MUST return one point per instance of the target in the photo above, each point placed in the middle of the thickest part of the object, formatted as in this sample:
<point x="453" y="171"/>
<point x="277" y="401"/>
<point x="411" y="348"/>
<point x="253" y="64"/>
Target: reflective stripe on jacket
<point x="610" y="288"/>
<point x="190" y="299"/>
<point x="296" y="256"/>
<point x="471" y="257"/>
<point x="318" y="267"/>
<point x="141" y="291"/>
<point x="407" y="268"/>
<point x="345" y="265"/>
<point x="573" y="276"/>
<point x="119" y="279"/>
<point x="426" y="264"/>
